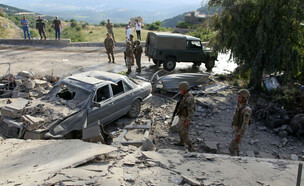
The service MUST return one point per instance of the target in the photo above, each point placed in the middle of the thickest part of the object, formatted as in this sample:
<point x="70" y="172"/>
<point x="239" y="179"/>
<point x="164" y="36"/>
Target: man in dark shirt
<point x="40" y="25"/>
<point x="57" y="26"/>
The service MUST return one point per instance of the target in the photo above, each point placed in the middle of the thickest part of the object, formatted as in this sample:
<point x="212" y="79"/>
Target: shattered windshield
<point x="70" y="95"/>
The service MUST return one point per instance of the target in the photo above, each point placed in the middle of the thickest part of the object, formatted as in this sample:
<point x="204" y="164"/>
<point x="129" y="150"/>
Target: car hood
<point x="42" y="114"/>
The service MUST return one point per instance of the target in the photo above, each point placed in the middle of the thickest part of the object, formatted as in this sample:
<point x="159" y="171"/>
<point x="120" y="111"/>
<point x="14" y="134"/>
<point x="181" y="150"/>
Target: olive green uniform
<point x="185" y="111"/>
<point x="109" y="45"/>
<point x="240" y="123"/>
<point x="110" y="30"/>
<point x="129" y="55"/>
<point x="137" y="51"/>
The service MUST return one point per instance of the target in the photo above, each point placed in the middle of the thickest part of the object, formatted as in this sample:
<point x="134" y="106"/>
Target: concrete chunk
<point x="15" y="109"/>
<point x="20" y="95"/>
<point x="212" y="146"/>
<point x="31" y="122"/>
<point x="190" y="181"/>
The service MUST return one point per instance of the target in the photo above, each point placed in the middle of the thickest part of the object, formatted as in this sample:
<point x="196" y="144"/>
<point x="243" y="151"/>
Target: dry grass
<point x="8" y="29"/>
<point x="98" y="34"/>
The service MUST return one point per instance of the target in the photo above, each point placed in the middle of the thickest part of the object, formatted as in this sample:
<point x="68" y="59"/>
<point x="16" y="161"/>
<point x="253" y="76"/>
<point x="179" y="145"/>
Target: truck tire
<point x="209" y="64"/>
<point x="169" y="64"/>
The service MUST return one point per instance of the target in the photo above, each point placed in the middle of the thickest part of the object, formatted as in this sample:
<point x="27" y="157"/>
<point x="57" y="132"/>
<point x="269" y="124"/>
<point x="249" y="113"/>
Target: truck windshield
<point x="194" y="44"/>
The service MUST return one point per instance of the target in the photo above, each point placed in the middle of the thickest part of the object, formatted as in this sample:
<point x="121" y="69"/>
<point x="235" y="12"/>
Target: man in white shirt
<point x="138" y="29"/>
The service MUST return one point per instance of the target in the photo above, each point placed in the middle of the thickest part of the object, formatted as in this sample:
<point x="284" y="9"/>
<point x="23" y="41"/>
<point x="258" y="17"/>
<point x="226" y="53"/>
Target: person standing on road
<point x="25" y="27"/>
<point x="109" y="46"/>
<point x="57" y="26"/>
<point x="241" y="121"/>
<point x="129" y="57"/>
<point x="185" y="111"/>
<point x="138" y="29"/>
<point x="128" y="31"/>
<point x="110" y="26"/>
<point x="137" y="51"/>
<point x="40" y="25"/>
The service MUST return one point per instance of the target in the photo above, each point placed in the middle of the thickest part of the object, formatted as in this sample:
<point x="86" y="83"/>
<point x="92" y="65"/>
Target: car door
<point x="102" y="106"/>
<point x="122" y="98"/>
<point x="193" y="52"/>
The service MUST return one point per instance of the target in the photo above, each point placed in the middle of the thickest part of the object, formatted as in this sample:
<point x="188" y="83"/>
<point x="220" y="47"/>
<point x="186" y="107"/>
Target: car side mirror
<point x="95" y="104"/>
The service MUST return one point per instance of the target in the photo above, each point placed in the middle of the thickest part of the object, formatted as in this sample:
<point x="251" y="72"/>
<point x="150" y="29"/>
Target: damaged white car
<point x="75" y="103"/>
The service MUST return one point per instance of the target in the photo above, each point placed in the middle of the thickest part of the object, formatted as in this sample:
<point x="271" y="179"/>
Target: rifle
<point x="175" y="110"/>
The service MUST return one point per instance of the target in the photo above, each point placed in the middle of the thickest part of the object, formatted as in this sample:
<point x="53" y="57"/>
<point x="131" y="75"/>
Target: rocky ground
<point x="210" y="129"/>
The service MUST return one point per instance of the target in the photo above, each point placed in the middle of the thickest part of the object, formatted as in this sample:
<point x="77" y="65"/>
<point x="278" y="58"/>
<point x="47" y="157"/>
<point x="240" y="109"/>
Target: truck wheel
<point x="169" y="64"/>
<point x="209" y="64"/>
<point x="135" y="109"/>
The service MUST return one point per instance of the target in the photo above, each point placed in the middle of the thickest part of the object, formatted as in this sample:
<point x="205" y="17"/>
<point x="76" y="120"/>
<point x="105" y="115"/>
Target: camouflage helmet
<point x="131" y="35"/>
<point x="138" y="41"/>
<point x="128" y="43"/>
<point x="184" y="85"/>
<point x="245" y="93"/>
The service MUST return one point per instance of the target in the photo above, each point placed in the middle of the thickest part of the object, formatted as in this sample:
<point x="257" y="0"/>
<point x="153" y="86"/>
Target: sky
<point x="100" y="5"/>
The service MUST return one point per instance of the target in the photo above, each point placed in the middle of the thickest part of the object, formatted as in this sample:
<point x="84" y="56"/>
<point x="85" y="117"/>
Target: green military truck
<point x="168" y="48"/>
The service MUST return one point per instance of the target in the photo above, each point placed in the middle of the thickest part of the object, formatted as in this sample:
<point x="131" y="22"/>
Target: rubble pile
<point x="23" y="110"/>
<point x="27" y="85"/>
<point x="275" y="117"/>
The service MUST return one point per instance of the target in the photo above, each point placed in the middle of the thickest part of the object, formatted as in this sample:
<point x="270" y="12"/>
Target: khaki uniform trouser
<point x="128" y="61"/>
<point x="112" y="54"/>
<point x="138" y="62"/>
<point x="234" y="148"/>
<point x="183" y="131"/>
<point x="111" y="33"/>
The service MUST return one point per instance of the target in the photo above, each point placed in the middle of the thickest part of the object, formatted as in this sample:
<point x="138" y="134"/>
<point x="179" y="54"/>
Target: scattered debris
<point x="271" y="83"/>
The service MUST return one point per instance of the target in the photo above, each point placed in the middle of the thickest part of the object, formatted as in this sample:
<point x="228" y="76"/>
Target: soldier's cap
<point x="131" y="35"/>
<point x="245" y="93"/>
<point x="138" y="41"/>
<point x="128" y="43"/>
<point x="108" y="34"/>
<point x="184" y="85"/>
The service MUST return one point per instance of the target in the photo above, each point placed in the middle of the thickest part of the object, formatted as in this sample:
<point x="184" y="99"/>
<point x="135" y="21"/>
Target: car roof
<point x="92" y="79"/>
<point x="165" y="34"/>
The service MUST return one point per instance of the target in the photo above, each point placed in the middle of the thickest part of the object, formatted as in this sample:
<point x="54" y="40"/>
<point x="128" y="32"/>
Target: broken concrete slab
<point x="15" y="109"/>
<point x="20" y="95"/>
<point x="31" y="122"/>
<point x="190" y="180"/>
<point x="156" y="157"/>
<point x="211" y="146"/>
<point x="38" y="160"/>
<point x="122" y="136"/>
<point x="25" y="74"/>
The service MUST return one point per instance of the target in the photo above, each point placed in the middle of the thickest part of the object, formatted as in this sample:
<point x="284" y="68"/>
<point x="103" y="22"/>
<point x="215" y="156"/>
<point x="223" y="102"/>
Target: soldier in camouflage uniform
<point x="109" y="46"/>
<point x="129" y="55"/>
<point x="185" y="112"/>
<point x="110" y="26"/>
<point x="132" y="47"/>
<point x="241" y="121"/>
<point x="137" y="51"/>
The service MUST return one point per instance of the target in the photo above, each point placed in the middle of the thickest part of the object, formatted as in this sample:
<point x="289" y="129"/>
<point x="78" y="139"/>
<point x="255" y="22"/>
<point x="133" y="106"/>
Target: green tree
<point x="102" y="23"/>
<point x="262" y="35"/>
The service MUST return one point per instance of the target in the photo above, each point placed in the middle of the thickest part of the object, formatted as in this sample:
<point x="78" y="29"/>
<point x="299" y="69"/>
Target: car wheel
<point x="135" y="109"/>
<point x="209" y="64"/>
<point x="169" y="64"/>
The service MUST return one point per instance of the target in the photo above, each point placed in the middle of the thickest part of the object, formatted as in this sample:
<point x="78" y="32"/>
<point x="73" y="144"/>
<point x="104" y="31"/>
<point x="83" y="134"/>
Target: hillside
<point x="9" y="29"/>
<point x="11" y="10"/>
<point x="172" y="22"/>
